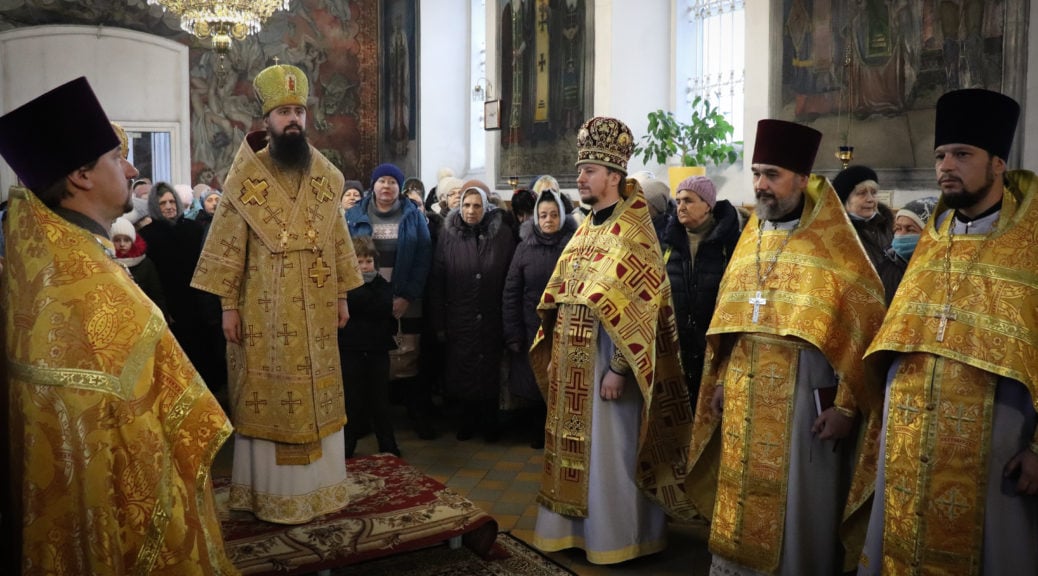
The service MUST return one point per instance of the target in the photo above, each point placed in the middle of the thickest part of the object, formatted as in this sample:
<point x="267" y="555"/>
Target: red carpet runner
<point x="393" y="508"/>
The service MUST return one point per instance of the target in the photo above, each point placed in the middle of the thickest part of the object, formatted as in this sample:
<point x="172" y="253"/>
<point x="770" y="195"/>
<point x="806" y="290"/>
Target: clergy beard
<point x="778" y="208"/>
<point x="290" y="151"/>
<point x="966" y="198"/>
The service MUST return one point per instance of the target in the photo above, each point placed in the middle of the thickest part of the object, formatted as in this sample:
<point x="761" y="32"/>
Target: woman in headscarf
<point x="174" y="245"/>
<point x="468" y="276"/>
<point x="532" y="266"/>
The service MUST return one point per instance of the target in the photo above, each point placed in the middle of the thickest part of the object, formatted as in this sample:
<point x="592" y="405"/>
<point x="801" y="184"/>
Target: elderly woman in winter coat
<point x="532" y="266"/>
<point x="858" y="189"/>
<point x="468" y="276"/>
<point x="697" y="243"/>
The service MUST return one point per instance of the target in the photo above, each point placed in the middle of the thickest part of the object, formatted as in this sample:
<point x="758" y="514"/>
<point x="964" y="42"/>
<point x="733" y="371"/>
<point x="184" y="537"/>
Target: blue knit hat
<point x="387" y="170"/>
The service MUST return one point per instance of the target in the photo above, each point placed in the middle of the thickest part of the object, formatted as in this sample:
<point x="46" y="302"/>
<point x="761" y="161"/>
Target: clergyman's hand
<point x="232" y="326"/>
<point x="831" y="424"/>
<point x="717" y="402"/>
<point x="612" y="386"/>
<point x="1026" y="464"/>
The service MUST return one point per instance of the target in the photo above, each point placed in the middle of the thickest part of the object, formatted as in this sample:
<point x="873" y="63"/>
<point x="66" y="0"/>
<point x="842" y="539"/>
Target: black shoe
<point x="351" y="447"/>
<point x="465" y="434"/>
<point x="537" y="443"/>
<point x="425" y="430"/>
<point x="492" y="435"/>
<point x="394" y="451"/>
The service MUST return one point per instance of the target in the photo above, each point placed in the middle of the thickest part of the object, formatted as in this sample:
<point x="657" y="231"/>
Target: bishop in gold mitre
<point x="280" y="258"/>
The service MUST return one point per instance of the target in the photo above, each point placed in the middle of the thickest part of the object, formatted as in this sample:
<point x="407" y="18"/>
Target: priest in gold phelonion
<point x="280" y="258"/>
<point x="957" y="484"/>
<point x="772" y="443"/>
<point x="108" y="431"/>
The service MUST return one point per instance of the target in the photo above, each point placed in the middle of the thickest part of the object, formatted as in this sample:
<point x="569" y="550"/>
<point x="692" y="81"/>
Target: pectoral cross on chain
<point x="945" y="315"/>
<point x="757" y="302"/>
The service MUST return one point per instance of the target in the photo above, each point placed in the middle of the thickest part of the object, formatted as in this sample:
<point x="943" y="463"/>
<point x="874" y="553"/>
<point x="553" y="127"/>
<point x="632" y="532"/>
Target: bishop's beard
<point x="290" y="150"/>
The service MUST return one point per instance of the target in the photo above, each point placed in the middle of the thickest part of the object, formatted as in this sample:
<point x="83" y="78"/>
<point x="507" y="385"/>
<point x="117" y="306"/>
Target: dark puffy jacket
<point x="529" y="273"/>
<point x="695" y="289"/>
<point x="413" y="246"/>
<point x="876" y="235"/>
<point x="371" y="327"/>
<point x="467" y="279"/>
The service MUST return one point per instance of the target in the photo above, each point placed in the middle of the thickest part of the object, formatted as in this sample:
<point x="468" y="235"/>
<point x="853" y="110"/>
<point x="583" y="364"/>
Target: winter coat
<point x="529" y="273"/>
<point x="372" y="326"/>
<point x="144" y="272"/>
<point x="695" y="289"/>
<point x="876" y="235"/>
<point x="413" y="246"/>
<point x="468" y="277"/>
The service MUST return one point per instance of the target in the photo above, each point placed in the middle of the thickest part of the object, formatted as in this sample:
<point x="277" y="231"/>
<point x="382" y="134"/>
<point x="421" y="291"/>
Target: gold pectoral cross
<point x="945" y="315"/>
<point x="319" y="272"/>
<point x="757" y="302"/>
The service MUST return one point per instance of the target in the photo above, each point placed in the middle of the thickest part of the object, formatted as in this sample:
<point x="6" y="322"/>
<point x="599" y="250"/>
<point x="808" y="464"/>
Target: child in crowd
<point x="364" y="346"/>
<point x="130" y="252"/>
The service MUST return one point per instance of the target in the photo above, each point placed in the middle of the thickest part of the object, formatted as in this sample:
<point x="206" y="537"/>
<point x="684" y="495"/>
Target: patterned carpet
<point x="394" y="508"/>
<point x="510" y="556"/>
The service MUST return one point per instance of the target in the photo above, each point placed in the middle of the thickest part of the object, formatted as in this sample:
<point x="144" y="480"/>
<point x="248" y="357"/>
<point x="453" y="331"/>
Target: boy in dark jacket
<point x="364" y="345"/>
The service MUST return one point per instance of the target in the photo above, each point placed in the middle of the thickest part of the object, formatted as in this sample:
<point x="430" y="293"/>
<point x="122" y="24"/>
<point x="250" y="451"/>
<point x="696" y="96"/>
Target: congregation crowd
<point x="832" y="384"/>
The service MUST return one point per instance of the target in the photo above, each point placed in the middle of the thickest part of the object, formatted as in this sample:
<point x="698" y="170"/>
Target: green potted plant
<point x="706" y="138"/>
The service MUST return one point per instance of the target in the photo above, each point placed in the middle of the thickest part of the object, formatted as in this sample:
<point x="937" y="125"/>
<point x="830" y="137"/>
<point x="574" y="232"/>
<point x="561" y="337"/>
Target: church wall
<point x="444" y="90"/>
<point x="36" y="59"/>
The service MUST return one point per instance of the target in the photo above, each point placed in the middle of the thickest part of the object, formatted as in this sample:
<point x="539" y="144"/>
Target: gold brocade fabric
<point x="611" y="275"/>
<point x="994" y="324"/>
<point x="111" y="429"/>
<point x="283" y="264"/>
<point x="824" y="291"/>
<point x="941" y="398"/>
<point x="746" y="526"/>
<point x="938" y="439"/>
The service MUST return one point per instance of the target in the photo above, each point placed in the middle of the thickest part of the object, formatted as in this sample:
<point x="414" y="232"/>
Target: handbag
<point x="403" y="362"/>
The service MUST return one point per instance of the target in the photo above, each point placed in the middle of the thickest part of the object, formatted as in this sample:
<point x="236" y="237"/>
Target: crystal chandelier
<point x="222" y="20"/>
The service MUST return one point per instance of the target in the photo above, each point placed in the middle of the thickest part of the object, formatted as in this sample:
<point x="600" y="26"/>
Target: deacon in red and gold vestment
<point x="957" y="485"/>
<point x="606" y="360"/>
<point x="279" y="256"/>
<point x="111" y="430"/>
<point x="784" y="379"/>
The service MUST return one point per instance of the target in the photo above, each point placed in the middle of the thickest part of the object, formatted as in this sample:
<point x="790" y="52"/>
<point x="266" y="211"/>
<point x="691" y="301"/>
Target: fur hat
<point x="281" y="85"/>
<point x="849" y="178"/>
<point x="702" y="186"/>
<point x="185" y="194"/>
<point x="387" y="170"/>
<point x="605" y="141"/>
<point x="445" y="185"/>
<point x="980" y="118"/>
<point x="786" y="144"/>
<point x="123" y="227"/>
<point x="919" y="211"/>
<point x="28" y="134"/>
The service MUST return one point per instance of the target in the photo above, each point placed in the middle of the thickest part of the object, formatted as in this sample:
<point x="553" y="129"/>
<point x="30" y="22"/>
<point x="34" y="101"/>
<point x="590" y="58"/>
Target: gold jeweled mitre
<point x="281" y="85"/>
<point x="605" y="141"/>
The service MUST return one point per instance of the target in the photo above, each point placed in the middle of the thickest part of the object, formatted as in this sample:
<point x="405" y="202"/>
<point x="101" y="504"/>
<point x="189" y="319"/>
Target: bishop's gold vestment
<point x="611" y="275"/>
<point x="111" y="429"/>
<point x="822" y="293"/>
<point x="939" y="421"/>
<point x="282" y="257"/>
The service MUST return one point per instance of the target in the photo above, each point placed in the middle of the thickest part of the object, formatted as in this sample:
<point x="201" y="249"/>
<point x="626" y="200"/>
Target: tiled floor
<point x="502" y="478"/>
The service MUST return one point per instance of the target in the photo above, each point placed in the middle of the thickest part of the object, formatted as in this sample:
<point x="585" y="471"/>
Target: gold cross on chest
<point x="254" y="192"/>
<point x="319" y="272"/>
<point x="322" y="189"/>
